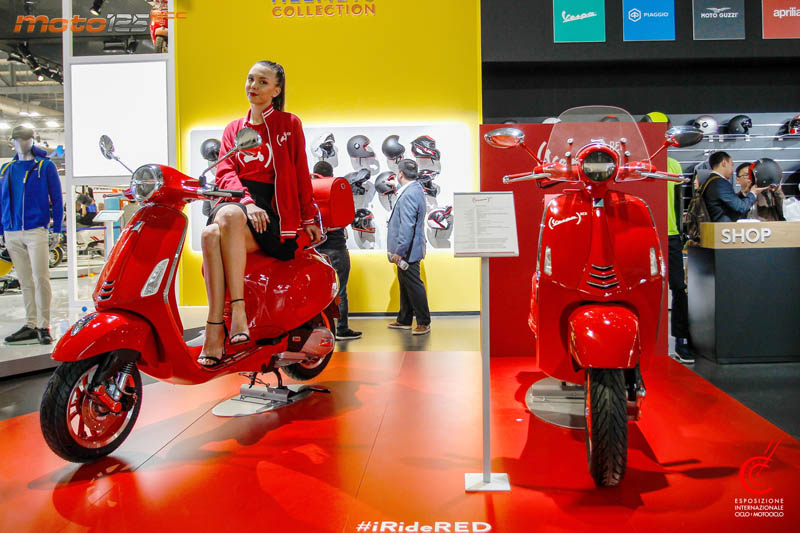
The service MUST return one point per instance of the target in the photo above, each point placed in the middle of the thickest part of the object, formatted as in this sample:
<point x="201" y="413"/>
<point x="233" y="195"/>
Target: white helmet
<point x="324" y="147"/>
<point x="707" y="124"/>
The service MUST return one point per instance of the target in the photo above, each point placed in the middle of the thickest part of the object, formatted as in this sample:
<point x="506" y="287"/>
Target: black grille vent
<point x="606" y="277"/>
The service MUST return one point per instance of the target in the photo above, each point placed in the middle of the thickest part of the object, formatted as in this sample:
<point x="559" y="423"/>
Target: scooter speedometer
<point x="599" y="165"/>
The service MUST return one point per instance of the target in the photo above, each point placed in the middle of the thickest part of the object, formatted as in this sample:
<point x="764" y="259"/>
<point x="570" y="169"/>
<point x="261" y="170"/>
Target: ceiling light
<point x="5" y="126"/>
<point x="27" y="125"/>
<point x="51" y="124"/>
<point x="113" y="45"/>
<point x="96" y="7"/>
<point x="33" y="114"/>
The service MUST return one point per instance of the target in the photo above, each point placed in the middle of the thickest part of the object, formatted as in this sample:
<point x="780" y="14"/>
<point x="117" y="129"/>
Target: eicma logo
<point x="719" y="12"/>
<point x="635" y="15"/>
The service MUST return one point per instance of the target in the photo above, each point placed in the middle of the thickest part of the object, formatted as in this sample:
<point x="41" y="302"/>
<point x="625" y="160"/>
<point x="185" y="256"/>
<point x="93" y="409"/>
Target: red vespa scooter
<point x="596" y="295"/>
<point x="92" y="401"/>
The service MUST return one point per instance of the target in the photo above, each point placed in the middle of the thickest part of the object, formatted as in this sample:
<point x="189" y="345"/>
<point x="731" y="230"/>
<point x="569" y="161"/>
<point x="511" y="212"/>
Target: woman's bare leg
<point x="215" y="289"/>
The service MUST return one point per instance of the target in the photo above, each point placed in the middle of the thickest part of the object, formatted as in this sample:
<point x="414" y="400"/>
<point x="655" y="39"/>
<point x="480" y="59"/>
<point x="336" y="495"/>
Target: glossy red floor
<point x="392" y="443"/>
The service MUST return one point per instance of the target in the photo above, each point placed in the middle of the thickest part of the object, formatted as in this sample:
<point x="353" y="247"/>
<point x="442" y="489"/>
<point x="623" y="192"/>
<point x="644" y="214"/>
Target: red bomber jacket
<point x="282" y="155"/>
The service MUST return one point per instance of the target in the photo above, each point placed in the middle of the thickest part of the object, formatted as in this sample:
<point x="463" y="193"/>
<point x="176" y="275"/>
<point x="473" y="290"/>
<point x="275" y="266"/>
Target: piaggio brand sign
<point x="648" y="20"/>
<point x="579" y="21"/>
<point x="781" y="19"/>
<point x="718" y="19"/>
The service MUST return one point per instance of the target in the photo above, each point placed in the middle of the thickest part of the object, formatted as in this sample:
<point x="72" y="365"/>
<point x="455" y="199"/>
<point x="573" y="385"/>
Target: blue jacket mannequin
<point x="28" y="189"/>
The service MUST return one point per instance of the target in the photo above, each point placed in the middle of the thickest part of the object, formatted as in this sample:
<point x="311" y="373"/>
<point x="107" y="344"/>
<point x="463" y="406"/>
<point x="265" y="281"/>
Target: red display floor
<point x="391" y="444"/>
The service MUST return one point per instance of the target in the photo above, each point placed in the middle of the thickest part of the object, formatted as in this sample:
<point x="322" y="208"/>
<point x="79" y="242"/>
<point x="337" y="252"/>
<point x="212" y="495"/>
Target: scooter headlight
<point x="145" y="181"/>
<point x="599" y="165"/>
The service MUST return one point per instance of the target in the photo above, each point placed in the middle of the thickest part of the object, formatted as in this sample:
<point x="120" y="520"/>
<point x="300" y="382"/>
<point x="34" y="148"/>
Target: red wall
<point x="510" y="278"/>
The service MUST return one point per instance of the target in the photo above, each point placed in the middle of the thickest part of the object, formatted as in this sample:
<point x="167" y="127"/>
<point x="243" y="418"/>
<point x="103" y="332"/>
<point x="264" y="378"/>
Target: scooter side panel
<point x="104" y="332"/>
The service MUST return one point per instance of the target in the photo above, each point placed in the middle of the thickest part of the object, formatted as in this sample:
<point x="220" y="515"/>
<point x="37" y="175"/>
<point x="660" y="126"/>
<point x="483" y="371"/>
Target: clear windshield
<point x="584" y="125"/>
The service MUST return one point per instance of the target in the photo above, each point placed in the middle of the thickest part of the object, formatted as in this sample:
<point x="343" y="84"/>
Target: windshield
<point x="589" y="124"/>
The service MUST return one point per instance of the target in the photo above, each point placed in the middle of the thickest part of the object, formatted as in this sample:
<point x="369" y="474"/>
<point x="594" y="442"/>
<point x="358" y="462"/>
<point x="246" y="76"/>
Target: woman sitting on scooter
<point x="277" y="201"/>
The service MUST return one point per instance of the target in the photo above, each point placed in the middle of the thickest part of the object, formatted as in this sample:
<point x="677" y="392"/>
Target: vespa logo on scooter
<point x="552" y="223"/>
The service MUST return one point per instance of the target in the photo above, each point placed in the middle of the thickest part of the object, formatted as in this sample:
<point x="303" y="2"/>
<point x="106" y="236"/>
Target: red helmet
<point x="425" y="146"/>
<point x="363" y="221"/>
<point x="441" y="218"/>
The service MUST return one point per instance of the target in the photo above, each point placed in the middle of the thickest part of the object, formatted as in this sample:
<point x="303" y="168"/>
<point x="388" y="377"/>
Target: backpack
<point x="697" y="212"/>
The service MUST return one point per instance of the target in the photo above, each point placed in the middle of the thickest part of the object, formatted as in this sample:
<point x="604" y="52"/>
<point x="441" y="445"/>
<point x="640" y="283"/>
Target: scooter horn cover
<point x="707" y="124"/>
<point x="794" y="125"/>
<point x="740" y="124"/>
<point x="357" y="180"/>
<point x="386" y="183"/>
<point x="441" y="218"/>
<point x="425" y="147"/>
<point x="324" y="146"/>
<point x="363" y="221"/>
<point x="358" y="146"/>
<point x="766" y="172"/>
<point x="392" y="148"/>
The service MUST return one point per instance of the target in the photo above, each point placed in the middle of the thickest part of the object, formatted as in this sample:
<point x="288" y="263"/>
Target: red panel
<point x="334" y="197"/>
<point x="510" y="278"/>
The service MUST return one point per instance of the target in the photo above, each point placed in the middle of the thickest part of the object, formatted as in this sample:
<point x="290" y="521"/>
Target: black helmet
<point x="357" y="180"/>
<point x="324" y="146"/>
<point x="766" y="172"/>
<point x="740" y="124"/>
<point x="386" y="183"/>
<point x="425" y="146"/>
<point x="794" y="125"/>
<point x="707" y="124"/>
<point x="441" y="218"/>
<point x="426" y="180"/>
<point x="210" y="150"/>
<point x="363" y="221"/>
<point x="392" y="148"/>
<point x="427" y="174"/>
<point x="358" y="146"/>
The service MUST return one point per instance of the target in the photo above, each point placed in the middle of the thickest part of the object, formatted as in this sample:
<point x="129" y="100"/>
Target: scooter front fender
<point x="604" y="336"/>
<point x="105" y="331"/>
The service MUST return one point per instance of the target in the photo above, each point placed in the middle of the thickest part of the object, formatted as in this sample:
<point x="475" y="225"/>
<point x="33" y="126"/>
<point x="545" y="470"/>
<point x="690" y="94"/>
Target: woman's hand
<point x="258" y="217"/>
<point x="313" y="232"/>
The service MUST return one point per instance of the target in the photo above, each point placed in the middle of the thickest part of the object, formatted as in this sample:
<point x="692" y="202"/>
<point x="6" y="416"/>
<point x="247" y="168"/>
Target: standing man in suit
<point x="406" y="248"/>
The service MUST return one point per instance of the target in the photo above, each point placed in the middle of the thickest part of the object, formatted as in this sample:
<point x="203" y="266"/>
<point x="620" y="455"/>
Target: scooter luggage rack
<point x="252" y="401"/>
<point x="557" y="402"/>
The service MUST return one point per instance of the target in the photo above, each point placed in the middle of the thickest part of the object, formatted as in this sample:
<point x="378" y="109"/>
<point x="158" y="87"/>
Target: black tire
<point x="606" y="425"/>
<point x="56" y="256"/>
<point x="160" y="45"/>
<point x="60" y="433"/>
<point x="309" y="370"/>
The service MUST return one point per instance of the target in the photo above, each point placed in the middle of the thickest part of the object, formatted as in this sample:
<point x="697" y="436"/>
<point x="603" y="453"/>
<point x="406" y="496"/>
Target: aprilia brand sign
<point x="718" y="19"/>
<point x="781" y="19"/>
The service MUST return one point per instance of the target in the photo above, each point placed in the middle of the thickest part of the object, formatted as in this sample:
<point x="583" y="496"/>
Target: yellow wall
<point x="412" y="61"/>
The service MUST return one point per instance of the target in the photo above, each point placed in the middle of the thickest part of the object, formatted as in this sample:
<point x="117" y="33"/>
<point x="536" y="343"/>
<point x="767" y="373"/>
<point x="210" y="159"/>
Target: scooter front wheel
<point x="606" y="425"/>
<point x="76" y="426"/>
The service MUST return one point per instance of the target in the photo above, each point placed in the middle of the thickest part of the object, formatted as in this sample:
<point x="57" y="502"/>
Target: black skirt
<point x="269" y="240"/>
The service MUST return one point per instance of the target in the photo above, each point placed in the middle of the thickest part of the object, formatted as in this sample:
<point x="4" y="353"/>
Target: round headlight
<point x="145" y="181"/>
<point x="599" y="166"/>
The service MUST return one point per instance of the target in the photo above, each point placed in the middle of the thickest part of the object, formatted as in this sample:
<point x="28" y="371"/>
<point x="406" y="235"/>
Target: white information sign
<point x="108" y="215"/>
<point x="485" y="225"/>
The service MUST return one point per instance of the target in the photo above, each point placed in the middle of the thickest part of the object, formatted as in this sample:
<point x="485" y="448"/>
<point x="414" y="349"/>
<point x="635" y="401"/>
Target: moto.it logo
<point x="634" y="15"/>
<point x="751" y="471"/>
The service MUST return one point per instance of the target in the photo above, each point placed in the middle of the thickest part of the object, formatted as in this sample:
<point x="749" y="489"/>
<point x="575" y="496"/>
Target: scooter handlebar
<point x="524" y="176"/>
<point x="224" y="193"/>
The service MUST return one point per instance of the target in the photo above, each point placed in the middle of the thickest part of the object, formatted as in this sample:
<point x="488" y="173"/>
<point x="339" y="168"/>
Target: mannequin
<point x="29" y="189"/>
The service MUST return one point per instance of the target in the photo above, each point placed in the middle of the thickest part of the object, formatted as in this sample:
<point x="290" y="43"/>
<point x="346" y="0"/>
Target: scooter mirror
<point x="247" y="139"/>
<point x="210" y="150"/>
<point x="682" y="136"/>
<point x="504" y="138"/>
<point x="107" y="147"/>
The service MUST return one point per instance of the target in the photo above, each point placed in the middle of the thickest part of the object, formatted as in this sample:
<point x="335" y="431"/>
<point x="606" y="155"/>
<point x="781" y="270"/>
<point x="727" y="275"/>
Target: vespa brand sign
<point x="781" y="19"/>
<point x="579" y="21"/>
<point x="718" y="19"/>
<point x="112" y="23"/>
<point x="648" y="20"/>
<point x="322" y="8"/>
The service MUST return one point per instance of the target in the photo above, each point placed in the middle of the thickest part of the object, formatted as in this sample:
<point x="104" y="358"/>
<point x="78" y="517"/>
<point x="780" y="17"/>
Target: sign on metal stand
<point x="485" y="227"/>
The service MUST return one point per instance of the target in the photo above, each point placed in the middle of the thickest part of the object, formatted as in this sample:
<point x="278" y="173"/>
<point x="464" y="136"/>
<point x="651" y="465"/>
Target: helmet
<point x="392" y="148"/>
<point x="765" y="172"/>
<point x="386" y="183"/>
<point x="551" y="120"/>
<point x="655" y="116"/>
<point x="794" y="125"/>
<point x="363" y="221"/>
<point x="441" y="218"/>
<point x="324" y="146"/>
<point x="357" y="180"/>
<point x="210" y="150"/>
<point x="426" y="180"/>
<point x="740" y="124"/>
<point x="358" y="146"/>
<point x="706" y="123"/>
<point x="427" y="174"/>
<point x="425" y="146"/>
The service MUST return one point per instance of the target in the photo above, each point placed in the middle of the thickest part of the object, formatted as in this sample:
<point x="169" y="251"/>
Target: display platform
<point x="392" y="443"/>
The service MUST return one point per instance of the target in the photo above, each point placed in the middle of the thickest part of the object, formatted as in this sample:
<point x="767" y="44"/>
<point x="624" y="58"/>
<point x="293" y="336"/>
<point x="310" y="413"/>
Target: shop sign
<point x="781" y="19"/>
<point x="282" y="9"/>
<point x="718" y="19"/>
<point x="579" y="21"/>
<point x="648" y="20"/>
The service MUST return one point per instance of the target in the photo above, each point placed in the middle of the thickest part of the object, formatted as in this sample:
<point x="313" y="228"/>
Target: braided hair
<point x="279" y="101"/>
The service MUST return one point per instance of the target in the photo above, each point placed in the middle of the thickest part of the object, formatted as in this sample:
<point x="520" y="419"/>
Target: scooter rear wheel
<point x="606" y="425"/>
<point x="76" y="427"/>
<point x="305" y="370"/>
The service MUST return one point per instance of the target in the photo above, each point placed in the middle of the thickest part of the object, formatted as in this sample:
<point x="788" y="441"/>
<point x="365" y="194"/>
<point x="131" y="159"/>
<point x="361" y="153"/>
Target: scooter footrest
<point x="270" y="341"/>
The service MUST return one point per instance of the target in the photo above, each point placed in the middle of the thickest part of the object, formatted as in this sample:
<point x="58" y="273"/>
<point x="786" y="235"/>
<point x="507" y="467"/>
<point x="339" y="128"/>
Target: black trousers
<point x="413" y="298"/>
<point x="680" y="302"/>
<point x="340" y="258"/>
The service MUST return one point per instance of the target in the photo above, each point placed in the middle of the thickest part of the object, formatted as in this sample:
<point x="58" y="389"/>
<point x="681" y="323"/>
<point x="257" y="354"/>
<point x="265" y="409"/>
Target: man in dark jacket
<point x="723" y="204"/>
<point x="29" y="189"/>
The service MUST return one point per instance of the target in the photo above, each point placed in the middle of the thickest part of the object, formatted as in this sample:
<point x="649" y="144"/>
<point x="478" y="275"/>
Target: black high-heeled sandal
<point x="241" y="334"/>
<point x="216" y="360"/>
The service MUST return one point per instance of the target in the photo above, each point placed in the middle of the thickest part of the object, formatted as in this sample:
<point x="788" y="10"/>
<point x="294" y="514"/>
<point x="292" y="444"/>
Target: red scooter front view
<point x="597" y="292"/>
<point x="93" y="399"/>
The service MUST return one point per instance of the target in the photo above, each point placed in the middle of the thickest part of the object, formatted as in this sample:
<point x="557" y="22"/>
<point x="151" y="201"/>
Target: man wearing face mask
<point x="29" y="189"/>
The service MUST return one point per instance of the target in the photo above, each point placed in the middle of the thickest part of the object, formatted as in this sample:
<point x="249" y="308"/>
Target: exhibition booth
<point x="544" y="396"/>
